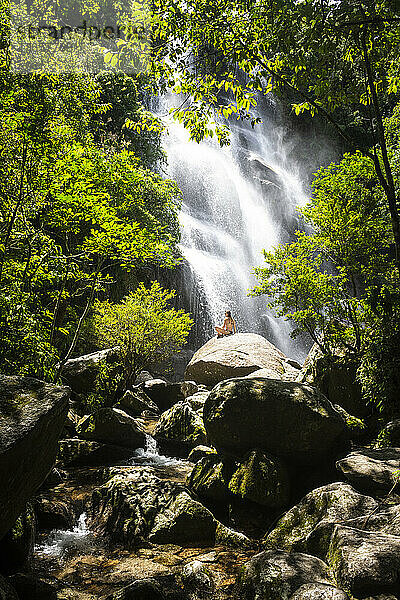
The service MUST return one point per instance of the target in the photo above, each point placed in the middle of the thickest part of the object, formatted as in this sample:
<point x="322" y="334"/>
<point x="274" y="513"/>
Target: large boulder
<point x="286" y="419"/>
<point x="362" y="561"/>
<point x="236" y="356"/>
<point x="308" y="526"/>
<point x="336" y="377"/>
<point x="181" y="424"/>
<point x="112" y="426"/>
<point x="32" y="415"/>
<point x="80" y="373"/>
<point x="262" y="479"/>
<point x="135" y="504"/>
<point x="371" y="471"/>
<point x="276" y="575"/>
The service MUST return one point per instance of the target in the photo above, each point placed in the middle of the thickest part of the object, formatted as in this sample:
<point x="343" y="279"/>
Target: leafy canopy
<point x="143" y="326"/>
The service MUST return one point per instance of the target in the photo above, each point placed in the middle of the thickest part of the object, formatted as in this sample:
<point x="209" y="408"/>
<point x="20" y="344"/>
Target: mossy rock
<point x="276" y="575"/>
<point x="308" y="526"/>
<point x="209" y="479"/>
<point x="261" y="479"/>
<point x="185" y="521"/>
<point x="181" y="424"/>
<point x="283" y="418"/>
<point x="112" y="426"/>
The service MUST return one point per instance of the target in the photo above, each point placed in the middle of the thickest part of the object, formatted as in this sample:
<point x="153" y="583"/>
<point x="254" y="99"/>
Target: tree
<point x="329" y="281"/>
<point x="144" y="328"/>
<point x="75" y="215"/>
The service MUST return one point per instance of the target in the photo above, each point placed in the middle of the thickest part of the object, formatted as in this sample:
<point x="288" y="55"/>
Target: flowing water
<point x="61" y="542"/>
<point x="149" y="456"/>
<point x="237" y="201"/>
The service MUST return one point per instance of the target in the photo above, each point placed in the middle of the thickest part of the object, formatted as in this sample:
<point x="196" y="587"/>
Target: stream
<point x="83" y="564"/>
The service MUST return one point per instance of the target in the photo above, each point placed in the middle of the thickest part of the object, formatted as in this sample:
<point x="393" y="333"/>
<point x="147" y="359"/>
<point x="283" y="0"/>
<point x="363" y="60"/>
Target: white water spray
<point x="237" y="201"/>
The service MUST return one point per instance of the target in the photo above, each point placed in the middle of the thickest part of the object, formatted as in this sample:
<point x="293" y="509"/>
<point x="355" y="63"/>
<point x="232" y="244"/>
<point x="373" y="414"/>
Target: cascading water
<point x="150" y="456"/>
<point x="237" y="201"/>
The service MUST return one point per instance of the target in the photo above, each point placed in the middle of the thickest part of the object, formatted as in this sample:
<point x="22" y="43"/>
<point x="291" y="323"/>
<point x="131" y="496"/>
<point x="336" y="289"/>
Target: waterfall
<point x="237" y="201"/>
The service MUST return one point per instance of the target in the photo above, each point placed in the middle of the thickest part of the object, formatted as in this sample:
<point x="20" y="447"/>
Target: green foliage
<point x="107" y="387"/>
<point x="75" y="214"/>
<point x="144" y="328"/>
<point x="326" y="280"/>
<point x="379" y="370"/>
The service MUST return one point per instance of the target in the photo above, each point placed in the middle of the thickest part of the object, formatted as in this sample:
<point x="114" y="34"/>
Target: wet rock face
<point x="236" y="356"/>
<point x="286" y="419"/>
<point x="183" y="424"/>
<point x="32" y="416"/>
<point x="112" y="426"/>
<point x="210" y="478"/>
<point x="371" y="471"/>
<point x="308" y="526"/>
<point x="278" y="574"/>
<point x="135" y="505"/>
<point x="363" y="562"/>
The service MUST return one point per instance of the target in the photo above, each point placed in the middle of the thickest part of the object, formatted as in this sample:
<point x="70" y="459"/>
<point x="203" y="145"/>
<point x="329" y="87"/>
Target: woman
<point x="229" y="326"/>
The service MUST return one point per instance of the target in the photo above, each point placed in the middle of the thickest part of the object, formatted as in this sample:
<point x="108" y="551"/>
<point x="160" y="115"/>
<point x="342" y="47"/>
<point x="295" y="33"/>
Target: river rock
<point x="371" y="471"/>
<point x="184" y="521"/>
<point x="287" y="419"/>
<point x="16" y="546"/>
<point x="319" y="591"/>
<point x="32" y="415"/>
<point x="134" y="402"/>
<point x="80" y="373"/>
<point x="163" y="393"/>
<point x="198" y="581"/>
<point x="29" y="587"/>
<point x="112" y="426"/>
<point x="262" y="479"/>
<point x="236" y="356"/>
<point x="336" y="377"/>
<point x="135" y="504"/>
<point x="308" y="526"/>
<point x="181" y="424"/>
<point x="201" y="452"/>
<point x="362" y="560"/>
<point x="209" y="479"/>
<point x="274" y="575"/>
<point x="84" y="453"/>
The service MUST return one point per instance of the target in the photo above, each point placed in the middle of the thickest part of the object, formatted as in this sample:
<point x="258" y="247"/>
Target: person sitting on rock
<point x="229" y="326"/>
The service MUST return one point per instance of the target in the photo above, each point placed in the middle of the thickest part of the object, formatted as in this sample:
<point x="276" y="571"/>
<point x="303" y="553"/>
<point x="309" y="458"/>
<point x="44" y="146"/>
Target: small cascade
<point x="71" y="541"/>
<point x="149" y="456"/>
